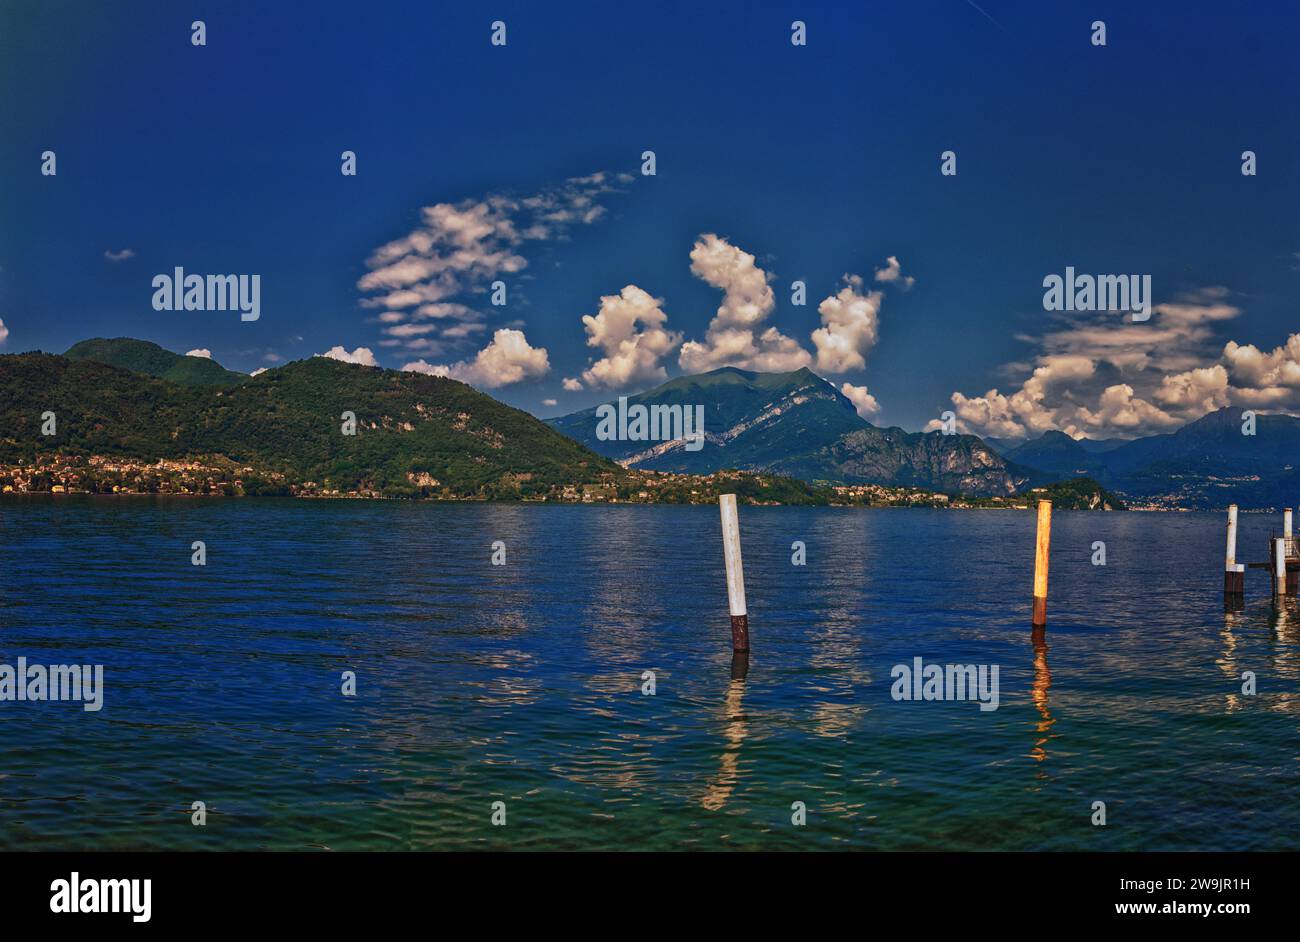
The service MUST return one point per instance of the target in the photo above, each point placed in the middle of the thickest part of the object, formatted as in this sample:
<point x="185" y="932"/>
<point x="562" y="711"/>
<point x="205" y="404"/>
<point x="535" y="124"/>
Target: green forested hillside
<point x="415" y="435"/>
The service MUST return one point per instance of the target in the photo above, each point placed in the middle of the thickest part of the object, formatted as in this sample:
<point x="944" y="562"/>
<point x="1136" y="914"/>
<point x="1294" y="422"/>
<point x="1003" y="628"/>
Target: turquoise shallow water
<point x="522" y="683"/>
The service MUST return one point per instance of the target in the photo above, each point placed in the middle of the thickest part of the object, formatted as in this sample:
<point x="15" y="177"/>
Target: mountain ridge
<point x="799" y="424"/>
<point x="1208" y="462"/>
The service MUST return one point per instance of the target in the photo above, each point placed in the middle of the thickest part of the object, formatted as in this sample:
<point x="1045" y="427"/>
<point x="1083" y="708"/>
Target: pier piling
<point x="1279" y="567"/>
<point x="1234" y="573"/>
<point x="1292" y="574"/>
<point x="735" y="573"/>
<point x="1042" y="555"/>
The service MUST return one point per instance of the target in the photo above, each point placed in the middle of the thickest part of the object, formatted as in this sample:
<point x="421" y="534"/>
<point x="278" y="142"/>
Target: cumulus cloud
<point x="508" y="359"/>
<point x="1113" y="377"/>
<point x="632" y="355"/>
<point x="361" y="355"/>
<point x="1199" y="390"/>
<point x="892" y="273"/>
<point x="460" y="248"/>
<point x="850" y="320"/>
<point x="121" y="256"/>
<point x="202" y="352"/>
<point x="4" y="331"/>
<point x="735" y="336"/>
<point x="572" y="385"/>
<point x="862" y="400"/>
<point x="549" y="402"/>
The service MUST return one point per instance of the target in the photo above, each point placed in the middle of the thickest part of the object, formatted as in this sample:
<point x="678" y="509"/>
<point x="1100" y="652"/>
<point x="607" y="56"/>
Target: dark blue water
<point x="522" y="683"/>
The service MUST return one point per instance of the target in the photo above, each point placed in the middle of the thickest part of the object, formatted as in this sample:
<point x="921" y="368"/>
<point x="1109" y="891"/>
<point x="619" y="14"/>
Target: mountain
<point x="1096" y="446"/>
<point x="1208" y="463"/>
<point x="798" y="424"/>
<point x="415" y="434"/>
<point x="1001" y="445"/>
<point x="1058" y="453"/>
<point x="141" y="356"/>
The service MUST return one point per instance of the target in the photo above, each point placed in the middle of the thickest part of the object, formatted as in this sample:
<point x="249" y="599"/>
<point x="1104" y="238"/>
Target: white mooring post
<point x="735" y="573"/>
<point x="1234" y="574"/>
<point x="1230" y="561"/>
<point x="1279" y="567"/>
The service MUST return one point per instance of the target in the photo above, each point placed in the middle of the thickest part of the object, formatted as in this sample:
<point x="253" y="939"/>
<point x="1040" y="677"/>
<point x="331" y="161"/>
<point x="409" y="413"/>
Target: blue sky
<point x="817" y="161"/>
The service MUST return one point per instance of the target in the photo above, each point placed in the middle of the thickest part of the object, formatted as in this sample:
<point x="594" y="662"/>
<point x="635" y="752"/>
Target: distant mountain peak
<point x="796" y="423"/>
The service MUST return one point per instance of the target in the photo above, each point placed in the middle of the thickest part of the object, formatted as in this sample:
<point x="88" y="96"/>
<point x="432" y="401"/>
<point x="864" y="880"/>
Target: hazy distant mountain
<point x="1060" y="454"/>
<point x="1092" y="446"/>
<point x="1002" y="445"/>
<point x="1096" y="446"/>
<point x="141" y="356"/>
<point x="1206" y="463"/>
<point x="800" y="425"/>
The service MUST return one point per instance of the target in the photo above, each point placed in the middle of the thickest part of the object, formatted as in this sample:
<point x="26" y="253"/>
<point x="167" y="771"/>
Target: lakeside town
<point x="220" y="477"/>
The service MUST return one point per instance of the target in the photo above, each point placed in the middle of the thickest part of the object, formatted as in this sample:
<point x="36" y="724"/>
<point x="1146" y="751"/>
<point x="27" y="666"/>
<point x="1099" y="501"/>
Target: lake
<point x="522" y="683"/>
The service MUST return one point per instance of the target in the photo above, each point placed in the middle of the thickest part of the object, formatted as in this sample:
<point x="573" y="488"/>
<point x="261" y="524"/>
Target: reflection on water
<point x="1038" y="693"/>
<point x="1233" y="622"/>
<point x="721" y="785"/>
<point x="524" y="682"/>
<point x="1286" y="653"/>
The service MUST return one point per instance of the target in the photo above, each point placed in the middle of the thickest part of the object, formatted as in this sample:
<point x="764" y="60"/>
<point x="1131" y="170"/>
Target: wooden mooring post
<point x="735" y="573"/>
<point x="1234" y="573"/>
<point x="1042" y="556"/>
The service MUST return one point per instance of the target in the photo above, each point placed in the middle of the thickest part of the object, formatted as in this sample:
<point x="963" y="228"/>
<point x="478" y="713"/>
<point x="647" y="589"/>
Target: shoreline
<point x="953" y="505"/>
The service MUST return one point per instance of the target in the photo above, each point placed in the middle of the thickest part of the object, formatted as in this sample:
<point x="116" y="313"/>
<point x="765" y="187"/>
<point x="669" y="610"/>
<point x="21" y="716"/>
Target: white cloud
<point x="631" y="355"/>
<point x="1119" y="410"/>
<point x="4" y="331"/>
<point x="892" y="273"/>
<point x="1252" y="367"/>
<point x="460" y="248"/>
<point x="1114" y="377"/>
<point x="850" y="320"/>
<point x="862" y="400"/>
<point x="121" y="256"/>
<point x="549" y="402"/>
<point x="571" y="385"/>
<point x="361" y="355"/>
<point x="1199" y="390"/>
<point x="508" y="359"/>
<point x="733" y="337"/>
<point x="202" y="352"/>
